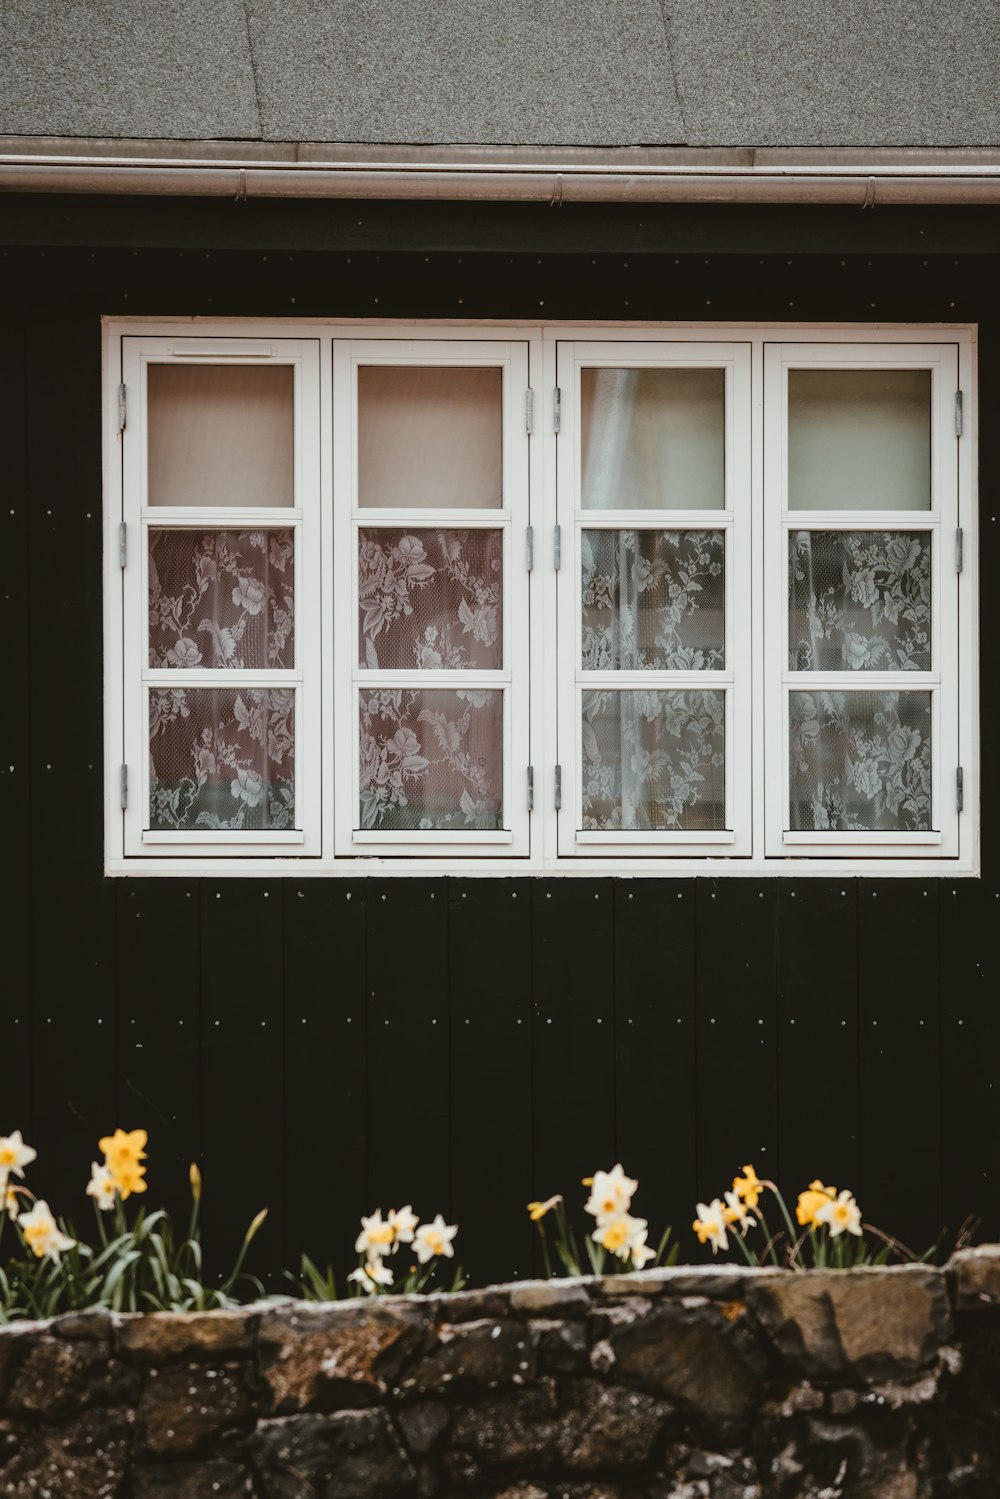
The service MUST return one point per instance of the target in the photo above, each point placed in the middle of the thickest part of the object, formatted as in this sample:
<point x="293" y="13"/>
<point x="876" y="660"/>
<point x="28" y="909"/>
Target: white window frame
<point x="320" y="853"/>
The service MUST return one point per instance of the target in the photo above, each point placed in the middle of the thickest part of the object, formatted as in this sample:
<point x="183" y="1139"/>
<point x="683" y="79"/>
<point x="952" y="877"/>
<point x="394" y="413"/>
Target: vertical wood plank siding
<point x="327" y="1047"/>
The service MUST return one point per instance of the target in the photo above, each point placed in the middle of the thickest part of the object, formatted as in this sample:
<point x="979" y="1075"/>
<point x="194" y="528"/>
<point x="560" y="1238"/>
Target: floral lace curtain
<point x="859" y="600"/>
<point x="654" y="761"/>
<point x="860" y="761"/>
<point x="653" y="600"/>
<point x="221" y="599"/>
<point x="431" y="759"/>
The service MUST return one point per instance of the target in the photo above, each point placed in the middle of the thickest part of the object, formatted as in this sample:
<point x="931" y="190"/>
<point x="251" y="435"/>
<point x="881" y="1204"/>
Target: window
<point x="564" y="599"/>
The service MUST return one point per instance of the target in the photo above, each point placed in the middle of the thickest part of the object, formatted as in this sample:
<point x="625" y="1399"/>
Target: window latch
<point x="558" y="787"/>
<point x="959" y="541"/>
<point x="959" y="413"/>
<point x="529" y="410"/>
<point x="557" y="547"/>
<point x="530" y="546"/>
<point x="123" y="545"/>
<point x="123" y="788"/>
<point x="531" y="788"/>
<point x="121" y="408"/>
<point x="959" y="789"/>
<point x="556" y="409"/>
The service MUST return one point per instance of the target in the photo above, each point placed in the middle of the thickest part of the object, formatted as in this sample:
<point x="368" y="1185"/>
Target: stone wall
<point x="692" y="1383"/>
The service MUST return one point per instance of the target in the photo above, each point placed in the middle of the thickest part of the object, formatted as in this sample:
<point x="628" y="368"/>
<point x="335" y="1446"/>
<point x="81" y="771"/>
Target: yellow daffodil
<point x="811" y="1201"/>
<point x="124" y="1148"/>
<point x="736" y="1212"/>
<point x="14" y="1156"/>
<point x="128" y="1178"/>
<point x="747" y="1187"/>
<point x="840" y="1215"/>
<point x="377" y="1236"/>
<point x="42" y="1234"/>
<point x="710" y="1224"/>
<point x="102" y="1187"/>
<point x="537" y="1210"/>
<point x="621" y="1235"/>
<point x="610" y="1193"/>
<point x="433" y="1239"/>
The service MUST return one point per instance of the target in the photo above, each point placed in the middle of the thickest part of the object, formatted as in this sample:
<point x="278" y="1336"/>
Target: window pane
<point x="220" y="434"/>
<point x="431" y="759"/>
<point x="430" y="599"/>
<point x="653" y="600"/>
<point x="860" y="761"/>
<point x="654" y="760"/>
<point x="430" y="437"/>
<point x="653" y="439"/>
<point x="221" y="758"/>
<point x="221" y="598"/>
<point x="859" y="601"/>
<point x="859" y="439"/>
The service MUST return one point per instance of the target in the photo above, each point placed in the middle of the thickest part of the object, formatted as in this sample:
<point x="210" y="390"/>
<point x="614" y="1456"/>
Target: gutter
<point x="812" y="182"/>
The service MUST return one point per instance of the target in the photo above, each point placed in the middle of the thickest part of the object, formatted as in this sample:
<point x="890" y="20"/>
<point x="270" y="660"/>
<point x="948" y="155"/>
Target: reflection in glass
<point x="431" y="759"/>
<point x="221" y="758"/>
<point x="220" y="434"/>
<point x="653" y="439"/>
<point x="859" y="439"/>
<point x="221" y="599"/>
<point x="430" y="599"/>
<point x="653" y="600"/>
<point x="654" y="761"/>
<point x="430" y="437"/>
<point x="860" y="761"/>
<point x="859" y="601"/>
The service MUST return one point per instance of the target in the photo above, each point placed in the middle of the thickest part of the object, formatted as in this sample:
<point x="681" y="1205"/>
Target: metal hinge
<point x="556" y="409"/>
<point x="529" y="540"/>
<point x="959" y="540"/>
<point x="124" y="787"/>
<point x="557" y="547"/>
<point x="558" y="787"/>
<point x="121" y="408"/>
<point x="531" y="788"/>
<point x="959" y="414"/>
<point x="529" y="411"/>
<point x="959" y="789"/>
<point x="123" y="545"/>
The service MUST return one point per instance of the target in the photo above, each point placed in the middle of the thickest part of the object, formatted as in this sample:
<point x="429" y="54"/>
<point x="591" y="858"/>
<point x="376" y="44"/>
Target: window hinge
<point x="529" y="410"/>
<point x="558" y="787"/>
<point x="531" y="788"/>
<point x="959" y="414"/>
<point x="556" y="409"/>
<point x="557" y="547"/>
<point x="124" y="787"/>
<point x="529" y="546"/>
<point x="959" y="540"/>
<point x="959" y="789"/>
<point x="121" y="408"/>
<point x="123" y="545"/>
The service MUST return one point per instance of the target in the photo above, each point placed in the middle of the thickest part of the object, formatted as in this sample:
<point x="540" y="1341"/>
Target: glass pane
<point x="654" y="760"/>
<point x="653" y="600"/>
<point x="430" y="437"/>
<point x="431" y="759"/>
<point x="860" y="761"/>
<point x="221" y="598"/>
<point x="653" y="439"/>
<point x="220" y="434"/>
<point x="859" y="439"/>
<point x="220" y="758"/>
<point x="430" y="599"/>
<point x="859" y="601"/>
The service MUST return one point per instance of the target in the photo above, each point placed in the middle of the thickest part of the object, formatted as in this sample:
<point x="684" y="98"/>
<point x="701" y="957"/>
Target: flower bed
<point x="715" y="1382"/>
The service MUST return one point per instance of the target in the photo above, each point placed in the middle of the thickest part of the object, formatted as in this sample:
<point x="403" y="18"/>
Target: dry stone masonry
<point x="691" y="1383"/>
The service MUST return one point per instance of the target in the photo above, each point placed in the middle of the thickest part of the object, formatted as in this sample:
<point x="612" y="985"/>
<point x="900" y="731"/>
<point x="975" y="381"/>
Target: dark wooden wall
<point x="327" y="1046"/>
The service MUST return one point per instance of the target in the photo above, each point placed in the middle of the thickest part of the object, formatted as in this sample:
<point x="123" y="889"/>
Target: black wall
<point x="327" y="1046"/>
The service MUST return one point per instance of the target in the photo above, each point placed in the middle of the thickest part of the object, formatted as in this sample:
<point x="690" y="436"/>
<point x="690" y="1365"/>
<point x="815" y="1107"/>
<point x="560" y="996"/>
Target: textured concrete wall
<point x="682" y="1384"/>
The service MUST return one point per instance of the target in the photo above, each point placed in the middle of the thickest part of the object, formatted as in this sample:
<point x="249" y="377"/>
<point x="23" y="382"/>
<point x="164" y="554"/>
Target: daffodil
<point x="610" y="1193"/>
<point x="747" y="1187"/>
<point x="376" y="1236"/>
<point x="840" y="1214"/>
<point x="14" y="1156"/>
<point x="42" y="1234"/>
<point x="710" y="1224"/>
<point x="736" y="1212"/>
<point x="620" y="1234"/>
<point x="433" y="1239"/>
<point x="403" y="1224"/>
<point x="371" y="1275"/>
<point x="128" y="1178"/>
<point x="537" y="1210"/>
<point x="124" y="1148"/>
<point x="11" y="1204"/>
<point x="102" y="1187"/>
<point x="811" y="1201"/>
<point x="641" y="1255"/>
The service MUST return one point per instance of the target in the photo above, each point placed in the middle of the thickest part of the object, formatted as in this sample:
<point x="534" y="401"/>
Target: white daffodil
<point x="737" y="1214"/>
<point x="372" y="1275"/>
<point x="610" y="1193"/>
<point x="620" y="1234"/>
<point x="840" y="1214"/>
<point x="42" y="1234"/>
<point x="710" y="1225"/>
<point x="641" y="1255"/>
<point x="102" y="1187"/>
<point x="376" y="1236"/>
<point x="14" y="1156"/>
<point x="403" y="1224"/>
<point x="433" y="1239"/>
